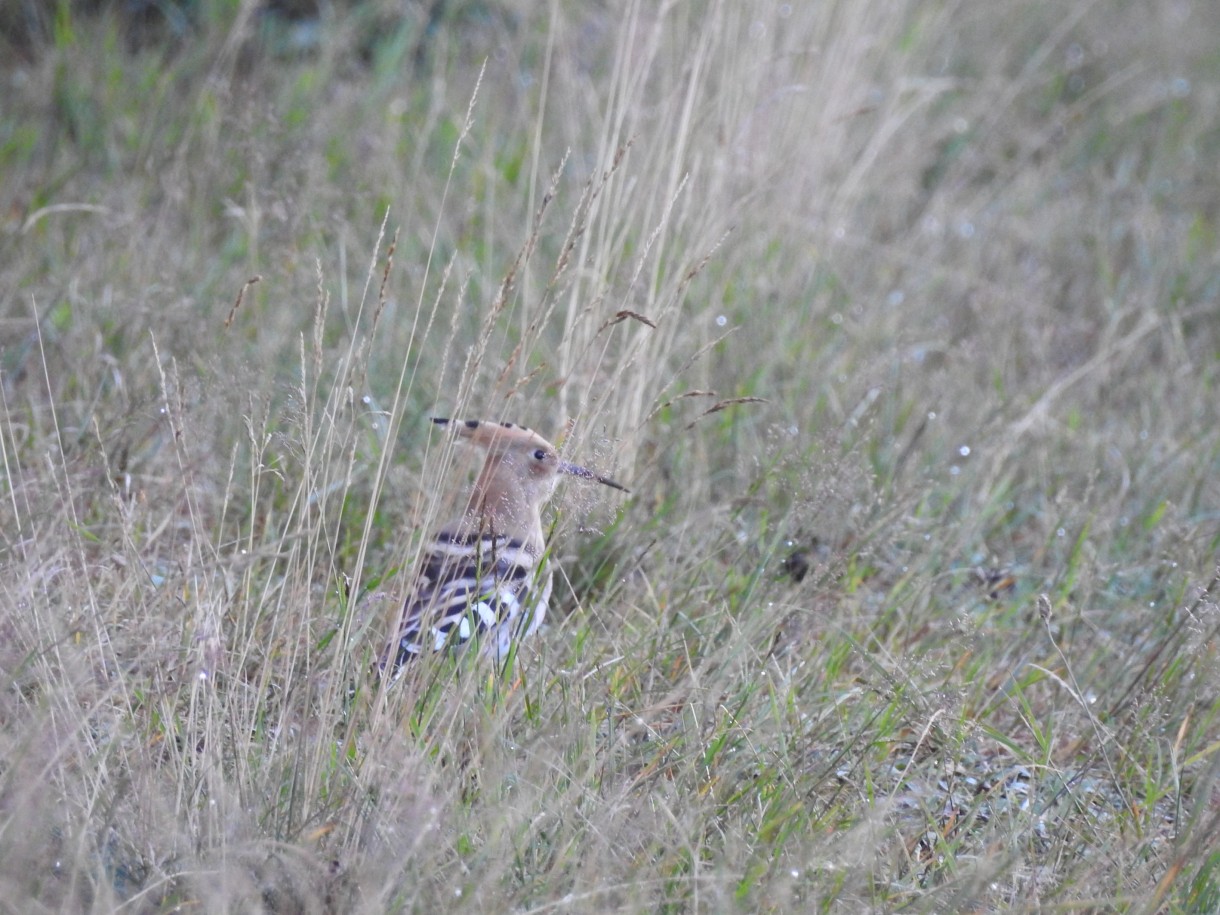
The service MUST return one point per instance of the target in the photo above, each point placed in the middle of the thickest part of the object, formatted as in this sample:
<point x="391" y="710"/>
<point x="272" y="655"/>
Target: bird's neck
<point x="503" y="509"/>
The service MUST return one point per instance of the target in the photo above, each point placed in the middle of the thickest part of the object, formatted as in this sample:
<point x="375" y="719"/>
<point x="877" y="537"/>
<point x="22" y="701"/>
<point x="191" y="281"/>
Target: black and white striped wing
<point x="472" y="587"/>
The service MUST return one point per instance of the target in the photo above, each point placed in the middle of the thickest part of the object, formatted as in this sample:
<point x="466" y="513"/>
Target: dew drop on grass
<point x="954" y="470"/>
<point x="964" y="451"/>
<point x="931" y="415"/>
<point x="1061" y="533"/>
<point x="721" y="320"/>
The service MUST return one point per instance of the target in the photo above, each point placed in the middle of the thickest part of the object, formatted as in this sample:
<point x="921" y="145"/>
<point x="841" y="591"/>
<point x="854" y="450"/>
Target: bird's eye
<point x="539" y="455"/>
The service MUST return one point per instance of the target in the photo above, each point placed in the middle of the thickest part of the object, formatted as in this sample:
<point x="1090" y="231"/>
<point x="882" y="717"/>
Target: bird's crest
<point x="491" y="435"/>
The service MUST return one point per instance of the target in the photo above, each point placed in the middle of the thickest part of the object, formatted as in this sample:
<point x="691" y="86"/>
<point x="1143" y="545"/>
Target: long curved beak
<point x="577" y="471"/>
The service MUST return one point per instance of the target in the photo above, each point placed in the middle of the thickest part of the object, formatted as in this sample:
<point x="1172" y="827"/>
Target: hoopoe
<point x="484" y="578"/>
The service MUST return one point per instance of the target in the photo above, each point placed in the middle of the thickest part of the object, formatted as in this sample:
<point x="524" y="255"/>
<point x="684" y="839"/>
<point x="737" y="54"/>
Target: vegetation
<point x="899" y="320"/>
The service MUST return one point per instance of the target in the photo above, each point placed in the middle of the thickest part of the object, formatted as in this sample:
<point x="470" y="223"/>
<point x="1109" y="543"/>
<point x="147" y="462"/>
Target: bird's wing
<point x="467" y="586"/>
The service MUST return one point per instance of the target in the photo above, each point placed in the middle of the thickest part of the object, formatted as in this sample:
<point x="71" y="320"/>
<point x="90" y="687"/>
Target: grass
<point x="897" y="320"/>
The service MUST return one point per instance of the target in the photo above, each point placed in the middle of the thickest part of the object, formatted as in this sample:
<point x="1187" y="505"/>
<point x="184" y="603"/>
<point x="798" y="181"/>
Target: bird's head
<point x="519" y="475"/>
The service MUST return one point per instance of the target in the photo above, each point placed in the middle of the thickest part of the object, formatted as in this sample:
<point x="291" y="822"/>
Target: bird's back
<point x="473" y="586"/>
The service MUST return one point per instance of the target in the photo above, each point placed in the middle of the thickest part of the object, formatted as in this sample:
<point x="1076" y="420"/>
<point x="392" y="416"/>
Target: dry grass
<point x="899" y="320"/>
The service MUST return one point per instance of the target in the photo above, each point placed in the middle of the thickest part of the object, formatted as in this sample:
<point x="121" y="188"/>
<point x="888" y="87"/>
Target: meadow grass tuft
<point x="897" y="319"/>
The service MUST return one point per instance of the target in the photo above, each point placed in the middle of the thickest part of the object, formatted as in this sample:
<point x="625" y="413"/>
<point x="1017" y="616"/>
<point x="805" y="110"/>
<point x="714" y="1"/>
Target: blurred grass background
<point x="899" y="319"/>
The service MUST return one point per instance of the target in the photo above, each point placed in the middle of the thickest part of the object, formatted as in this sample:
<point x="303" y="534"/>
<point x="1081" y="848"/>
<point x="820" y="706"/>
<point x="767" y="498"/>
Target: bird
<point x="484" y="579"/>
